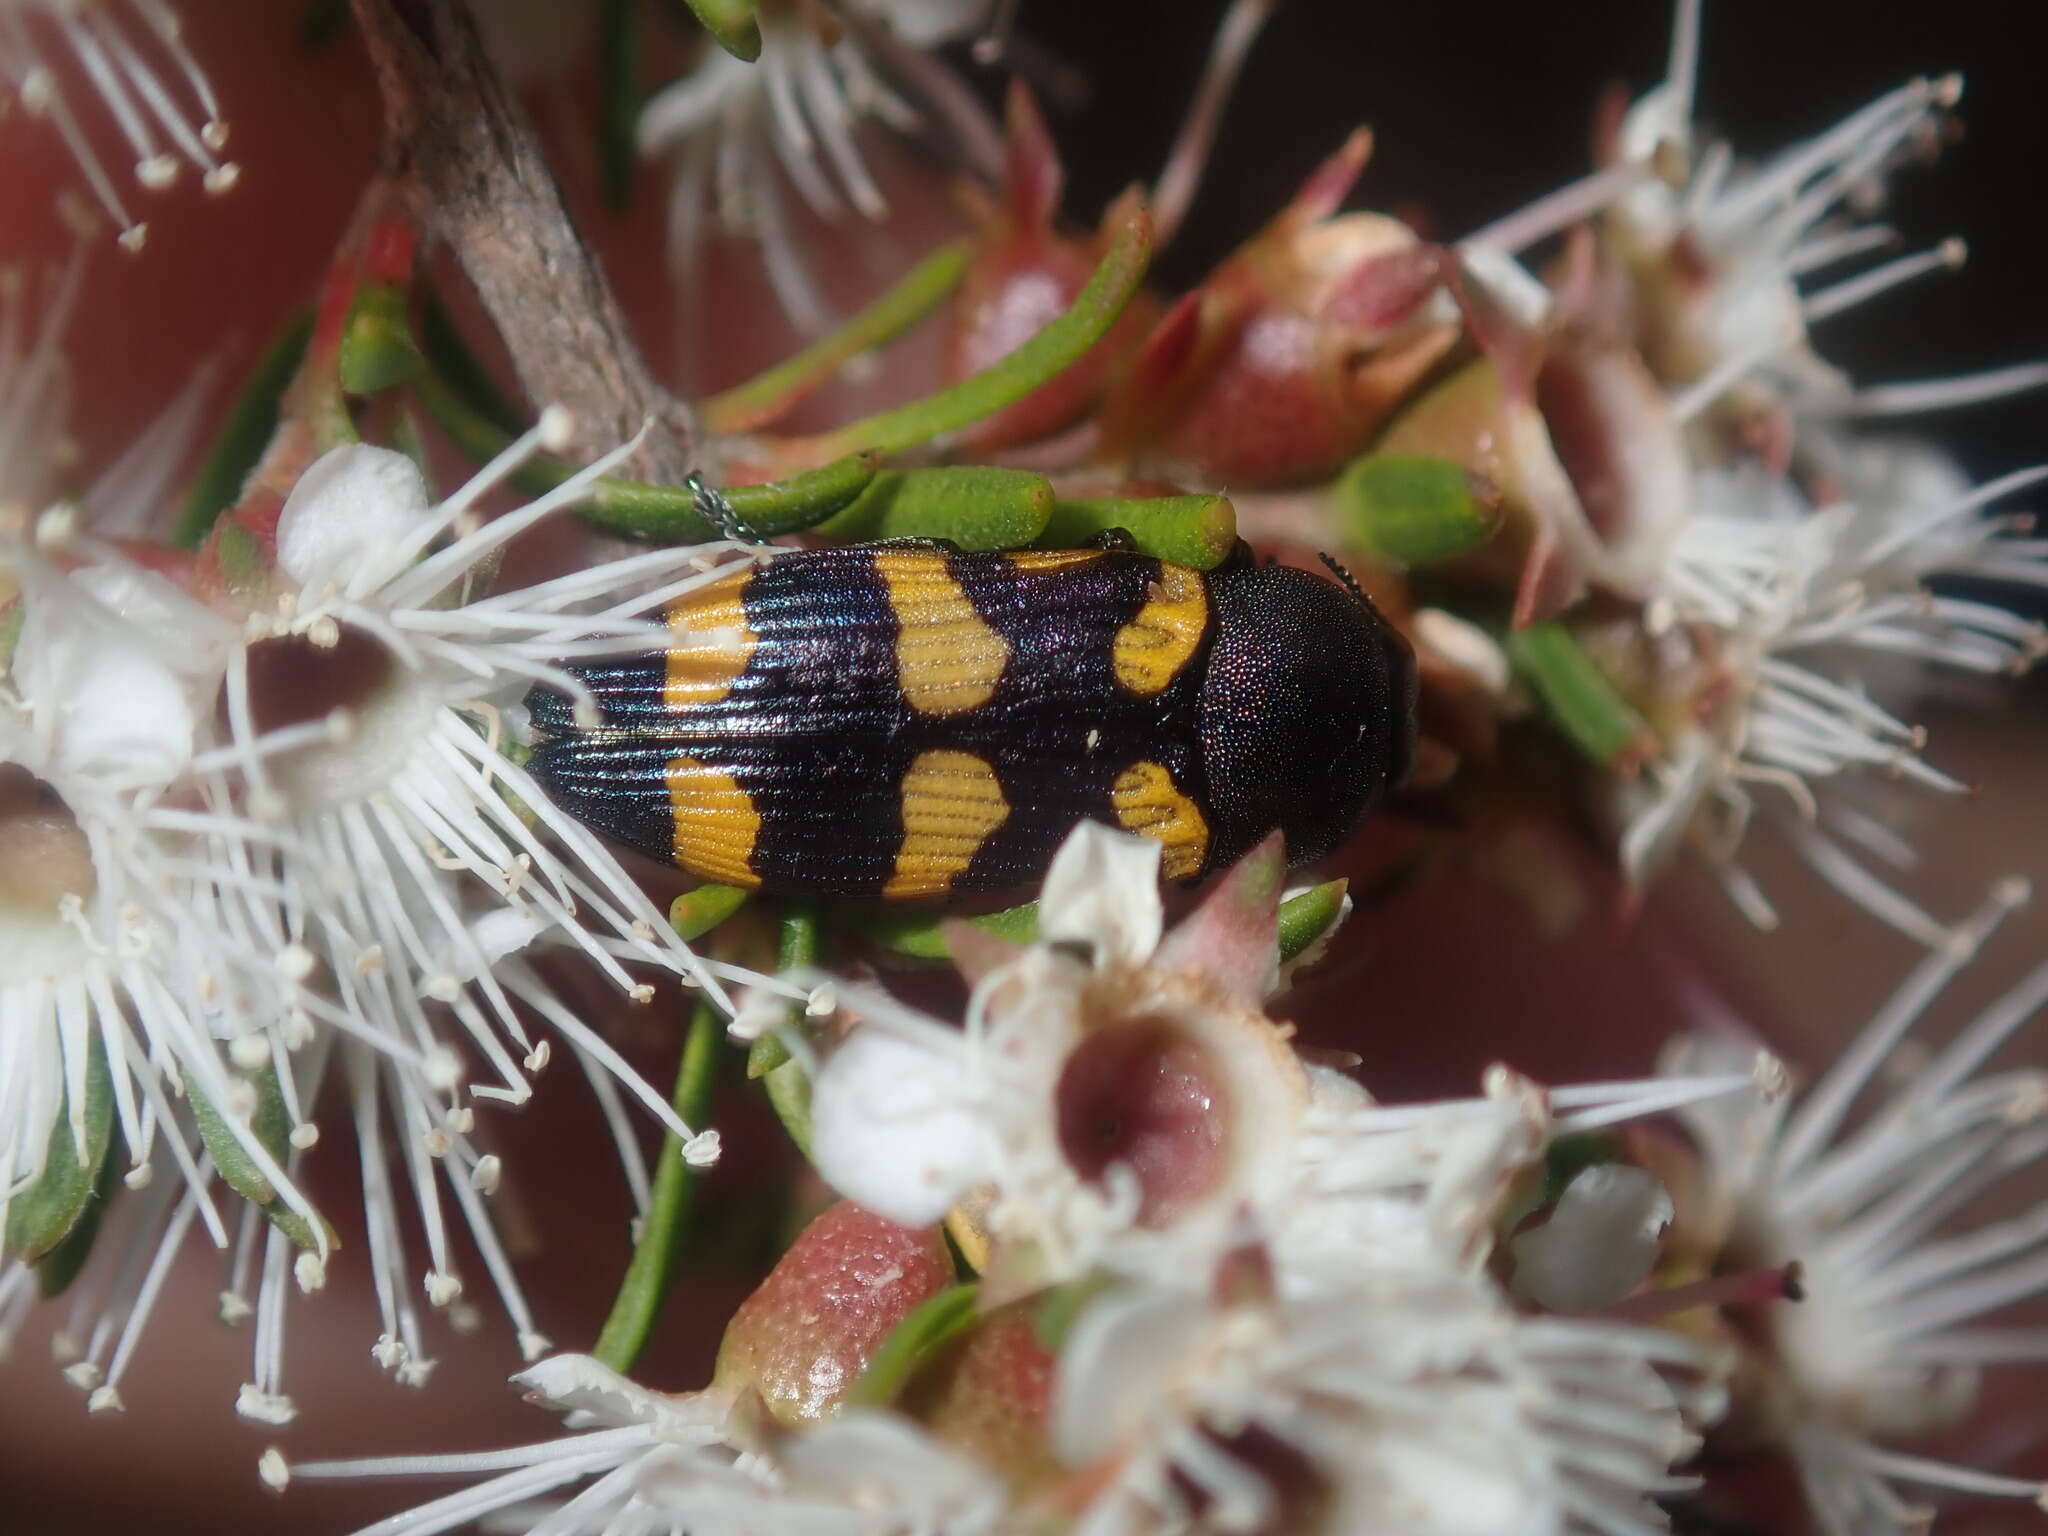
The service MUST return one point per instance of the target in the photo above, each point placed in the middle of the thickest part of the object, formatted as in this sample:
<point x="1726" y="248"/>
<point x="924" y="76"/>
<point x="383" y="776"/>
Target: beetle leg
<point x="1118" y="540"/>
<point x="714" y="508"/>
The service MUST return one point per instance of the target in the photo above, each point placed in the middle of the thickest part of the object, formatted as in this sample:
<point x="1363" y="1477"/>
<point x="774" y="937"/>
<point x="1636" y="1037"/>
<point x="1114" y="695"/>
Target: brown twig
<point x="462" y="149"/>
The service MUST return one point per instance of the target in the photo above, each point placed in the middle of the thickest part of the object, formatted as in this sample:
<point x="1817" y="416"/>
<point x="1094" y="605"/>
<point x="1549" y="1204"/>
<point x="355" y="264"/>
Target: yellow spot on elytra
<point x="952" y="804"/>
<point x="716" y="825"/>
<point x="948" y="658"/>
<point x="1051" y="559"/>
<point x="711" y="643"/>
<point x="1149" y="652"/>
<point x="1148" y="803"/>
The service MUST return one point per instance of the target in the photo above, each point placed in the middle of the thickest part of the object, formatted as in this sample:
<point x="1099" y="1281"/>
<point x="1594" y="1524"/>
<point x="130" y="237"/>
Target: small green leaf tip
<point x="1415" y="511"/>
<point x="695" y="913"/>
<point x="732" y="26"/>
<point x="976" y="507"/>
<point x="1307" y="917"/>
<point x="377" y="346"/>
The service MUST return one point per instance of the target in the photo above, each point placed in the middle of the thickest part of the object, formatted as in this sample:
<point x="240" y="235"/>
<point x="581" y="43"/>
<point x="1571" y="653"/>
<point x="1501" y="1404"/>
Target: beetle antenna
<point x="1346" y="579"/>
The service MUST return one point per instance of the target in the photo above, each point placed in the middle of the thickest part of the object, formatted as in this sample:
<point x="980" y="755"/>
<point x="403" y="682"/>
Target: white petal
<point x="1103" y="891"/>
<point x="1599" y="1243"/>
<point x="353" y="502"/>
<point x="893" y="1128"/>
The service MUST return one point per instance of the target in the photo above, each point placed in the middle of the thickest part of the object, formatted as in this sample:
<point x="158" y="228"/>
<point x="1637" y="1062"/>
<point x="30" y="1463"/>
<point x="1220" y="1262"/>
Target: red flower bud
<point x="807" y="1333"/>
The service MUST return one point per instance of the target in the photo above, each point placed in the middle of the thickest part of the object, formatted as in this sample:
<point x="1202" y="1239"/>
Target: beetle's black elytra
<point x="905" y="720"/>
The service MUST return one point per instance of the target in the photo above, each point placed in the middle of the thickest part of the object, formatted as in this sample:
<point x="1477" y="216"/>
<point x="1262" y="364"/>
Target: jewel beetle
<point x="907" y="720"/>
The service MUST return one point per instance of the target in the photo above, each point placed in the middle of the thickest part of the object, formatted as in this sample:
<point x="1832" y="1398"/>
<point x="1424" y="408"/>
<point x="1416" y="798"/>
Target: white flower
<point x="1117" y="1109"/>
<point x="1419" y="1404"/>
<point x="1722" y="251"/>
<point x="658" y="1465"/>
<point x="1766" y="600"/>
<point x="369" y="706"/>
<point x="1904" y="1293"/>
<point x="1135" y="1112"/>
<point x="115" y="867"/>
<point x="738" y="129"/>
<point x="129" y="54"/>
<point x="1420" y="1189"/>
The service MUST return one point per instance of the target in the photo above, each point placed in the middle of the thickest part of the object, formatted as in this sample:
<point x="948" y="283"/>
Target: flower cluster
<point x="1217" y="1287"/>
<point x="264" y="828"/>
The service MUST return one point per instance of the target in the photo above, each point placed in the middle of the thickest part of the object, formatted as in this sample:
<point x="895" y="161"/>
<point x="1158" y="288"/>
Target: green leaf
<point x="40" y="1217"/>
<point x="929" y="1327"/>
<point x="671" y="1203"/>
<point x="270" y="1124"/>
<point x="1415" y="511"/>
<point x="789" y="1094"/>
<point x="377" y="346"/>
<point x="732" y="26"/>
<point x="695" y="913"/>
<point x="1062" y="343"/>
<point x="973" y="506"/>
<point x="1577" y="695"/>
<point x="62" y="1264"/>
<point x="449" y="355"/>
<point x="1197" y="531"/>
<point x="243" y="566"/>
<point x="1309" y="915"/>
<point x="922" y="935"/>
<point x="776" y="507"/>
<point x="245" y="434"/>
<point x="618" y="115"/>
<point x="768" y="395"/>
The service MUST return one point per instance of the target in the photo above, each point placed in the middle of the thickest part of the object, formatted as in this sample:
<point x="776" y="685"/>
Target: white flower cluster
<point x="262" y="827"/>
<point x="1286" y="1306"/>
<point x="1687" y="448"/>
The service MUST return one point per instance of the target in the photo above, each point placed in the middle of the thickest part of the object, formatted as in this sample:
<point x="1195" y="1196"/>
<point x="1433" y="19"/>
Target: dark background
<point x="1477" y="108"/>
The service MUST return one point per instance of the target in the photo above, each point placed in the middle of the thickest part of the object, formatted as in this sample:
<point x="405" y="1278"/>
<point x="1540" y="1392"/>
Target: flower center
<point x="44" y="857"/>
<point x="296" y="681"/>
<point x="1141" y="1094"/>
<point x="293" y="681"/>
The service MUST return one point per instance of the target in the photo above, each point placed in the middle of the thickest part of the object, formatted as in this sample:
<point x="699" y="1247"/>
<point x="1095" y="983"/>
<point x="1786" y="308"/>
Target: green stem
<point x="670" y="1204"/>
<point x="768" y="395"/>
<point x="797" y="946"/>
<point x="241" y="442"/>
<point x="1045" y="356"/>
